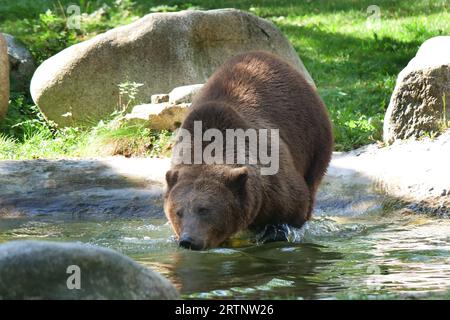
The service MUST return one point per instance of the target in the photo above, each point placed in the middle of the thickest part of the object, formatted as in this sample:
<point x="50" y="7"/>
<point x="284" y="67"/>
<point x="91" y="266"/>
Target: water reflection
<point x="393" y="256"/>
<point x="269" y="270"/>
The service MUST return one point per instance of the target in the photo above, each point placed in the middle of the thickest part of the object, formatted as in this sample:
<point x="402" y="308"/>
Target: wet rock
<point x="4" y="77"/>
<point x="421" y="91"/>
<point x="100" y="188"/>
<point x="408" y="171"/>
<point x="21" y="64"/>
<point x="49" y="270"/>
<point x="161" y="50"/>
<point x="366" y="180"/>
<point x="184" y="94"/>
<point x="161" y="116"/>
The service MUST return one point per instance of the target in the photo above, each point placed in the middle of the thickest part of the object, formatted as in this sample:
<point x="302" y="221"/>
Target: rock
<point x="4" y="77"/>
<point x="160" y="98"/>
<point x="184" y="94"/>
<point x="84" y="188"/>
<point x="357" y="182"/>
<point x="161" y="116"/>
<point x="39" y="270"/>
<point x="417" y="103"/>
<point x="21" y="64"/>
<point x="410" y="171"/>
<point x="161" y="50"/>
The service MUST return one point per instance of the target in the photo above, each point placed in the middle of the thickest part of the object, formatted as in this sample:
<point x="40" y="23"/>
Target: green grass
<point x="354" y="66"/>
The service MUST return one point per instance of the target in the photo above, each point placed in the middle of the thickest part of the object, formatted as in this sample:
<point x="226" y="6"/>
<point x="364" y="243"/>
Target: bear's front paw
<point x="273" y="233"/>
<point x="279" y="232"/>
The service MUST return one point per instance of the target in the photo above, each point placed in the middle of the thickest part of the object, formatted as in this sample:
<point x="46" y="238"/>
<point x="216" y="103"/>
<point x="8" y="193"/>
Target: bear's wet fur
<point x="208" y="203"/>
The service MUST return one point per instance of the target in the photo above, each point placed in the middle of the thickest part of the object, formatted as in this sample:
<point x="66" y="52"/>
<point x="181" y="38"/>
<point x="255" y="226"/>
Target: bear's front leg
<point x="279" y="232"/>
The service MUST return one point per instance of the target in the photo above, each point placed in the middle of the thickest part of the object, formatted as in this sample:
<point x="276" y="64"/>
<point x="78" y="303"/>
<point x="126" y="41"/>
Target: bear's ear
<point x="171" y="178"/>
<point x="237" y="179"/>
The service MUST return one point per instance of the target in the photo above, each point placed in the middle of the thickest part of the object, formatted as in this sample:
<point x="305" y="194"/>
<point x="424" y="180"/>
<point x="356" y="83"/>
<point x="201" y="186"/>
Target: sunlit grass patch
<point x="354" y="63"/>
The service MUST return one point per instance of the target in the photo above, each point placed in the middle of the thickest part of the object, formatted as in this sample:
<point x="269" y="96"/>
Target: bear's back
<point x="267" y="92"/>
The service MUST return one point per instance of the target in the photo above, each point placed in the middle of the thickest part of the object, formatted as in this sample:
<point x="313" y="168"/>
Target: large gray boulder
<point x="51" y="270"/>
<point x="21" y="64"/>
<point x="4" y="77"/>
<point x="421" y="92"/>
<point x="161" y="50"/>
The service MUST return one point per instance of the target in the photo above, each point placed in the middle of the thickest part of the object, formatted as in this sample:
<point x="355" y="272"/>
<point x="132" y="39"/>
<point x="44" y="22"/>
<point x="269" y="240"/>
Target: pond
<point x="369" y="256"/>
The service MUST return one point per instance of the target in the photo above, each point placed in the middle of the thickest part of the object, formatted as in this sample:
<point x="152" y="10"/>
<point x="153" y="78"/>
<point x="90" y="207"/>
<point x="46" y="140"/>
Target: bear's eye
<point x="203" y="211"/>
<point x="180" y="213"/>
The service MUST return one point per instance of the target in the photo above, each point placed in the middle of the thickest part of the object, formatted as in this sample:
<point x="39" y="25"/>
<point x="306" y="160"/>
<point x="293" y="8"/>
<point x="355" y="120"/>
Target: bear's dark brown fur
<point x="207" y="203"/>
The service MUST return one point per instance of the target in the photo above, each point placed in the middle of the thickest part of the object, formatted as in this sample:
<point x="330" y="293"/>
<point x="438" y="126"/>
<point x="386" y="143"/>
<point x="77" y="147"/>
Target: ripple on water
<point x="330" y="257"/>
<point x="229" y="293"/>
<point x="34" y="230"/>
<point x="322" y="227"/>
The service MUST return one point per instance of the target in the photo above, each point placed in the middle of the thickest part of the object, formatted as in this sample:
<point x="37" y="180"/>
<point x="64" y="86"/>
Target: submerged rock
<point x="161" y="51"/>
<point x="52" y="270"/>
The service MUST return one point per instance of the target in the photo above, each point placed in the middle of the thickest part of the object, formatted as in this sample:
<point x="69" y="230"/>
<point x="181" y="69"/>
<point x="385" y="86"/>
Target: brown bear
<point x="206" y="202"/>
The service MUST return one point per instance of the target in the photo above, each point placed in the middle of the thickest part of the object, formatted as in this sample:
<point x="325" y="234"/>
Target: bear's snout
<point x="188" y="242"/>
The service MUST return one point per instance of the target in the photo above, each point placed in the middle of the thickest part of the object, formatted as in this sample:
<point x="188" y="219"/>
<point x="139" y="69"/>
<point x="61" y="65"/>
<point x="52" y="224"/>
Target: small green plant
<point x="127" y="94"/>
<point x="164" y="8"/>
<point x="118" y="137"/>
<point x="443" y="122"/>
<point x="8" y="147"/>
<point x="160" y="143"/>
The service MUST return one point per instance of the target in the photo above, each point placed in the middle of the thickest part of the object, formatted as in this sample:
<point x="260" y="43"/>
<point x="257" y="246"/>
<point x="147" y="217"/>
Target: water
<point x="372" y="256"/>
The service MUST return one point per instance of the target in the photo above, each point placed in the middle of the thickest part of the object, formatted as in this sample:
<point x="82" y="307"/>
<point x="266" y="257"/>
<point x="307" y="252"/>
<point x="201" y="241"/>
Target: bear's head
<point x="205" y="204"/>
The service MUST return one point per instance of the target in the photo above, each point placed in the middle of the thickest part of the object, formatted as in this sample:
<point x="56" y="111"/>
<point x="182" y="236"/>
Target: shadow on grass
<point x="358" y="57"/>
<point x="312" y="7"/>
<point x="20" y="9"/>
